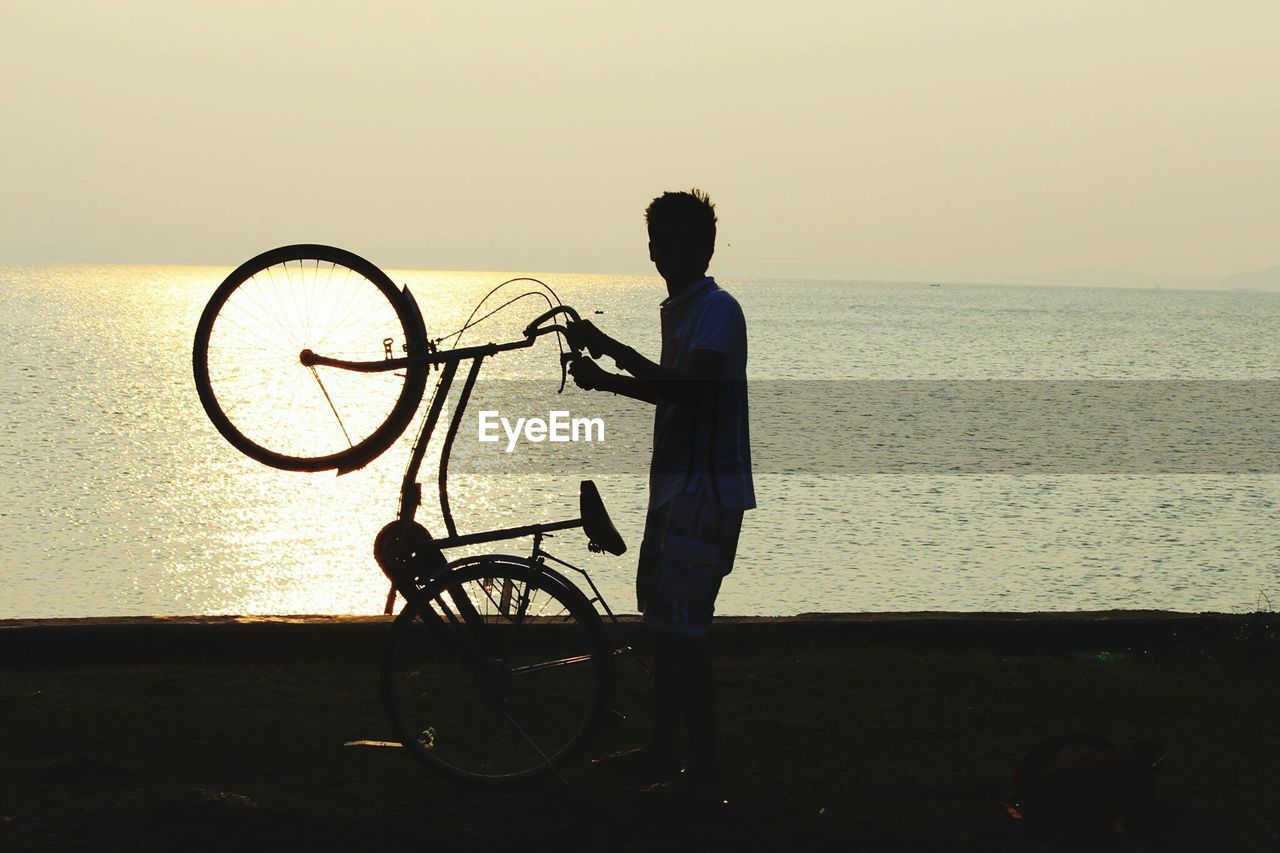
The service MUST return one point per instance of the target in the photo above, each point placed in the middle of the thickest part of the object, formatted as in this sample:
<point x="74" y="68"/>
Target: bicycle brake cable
<point x="472" y="321"/>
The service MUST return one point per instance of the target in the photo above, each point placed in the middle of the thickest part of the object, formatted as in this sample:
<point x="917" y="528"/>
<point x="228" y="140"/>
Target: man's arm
<point x="650" y="382"/>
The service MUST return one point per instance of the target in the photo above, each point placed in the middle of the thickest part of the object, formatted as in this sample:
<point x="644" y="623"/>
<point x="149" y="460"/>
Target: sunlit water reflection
<point x="119" y="497"/>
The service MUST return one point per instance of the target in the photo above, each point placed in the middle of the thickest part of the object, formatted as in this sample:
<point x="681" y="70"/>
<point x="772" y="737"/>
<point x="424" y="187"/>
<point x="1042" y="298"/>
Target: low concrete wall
<point x="249" y="640"/>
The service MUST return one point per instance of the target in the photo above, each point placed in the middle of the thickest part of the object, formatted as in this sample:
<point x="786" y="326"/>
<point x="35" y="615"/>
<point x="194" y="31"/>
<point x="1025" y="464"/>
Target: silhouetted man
<point x="699" y="482"/>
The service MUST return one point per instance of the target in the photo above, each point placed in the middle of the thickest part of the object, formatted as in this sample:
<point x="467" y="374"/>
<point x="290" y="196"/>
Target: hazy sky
<point x="984" y="140"/>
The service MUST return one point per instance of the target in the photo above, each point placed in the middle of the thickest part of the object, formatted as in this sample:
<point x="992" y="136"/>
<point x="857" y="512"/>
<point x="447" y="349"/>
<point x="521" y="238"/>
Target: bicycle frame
<point x="411" y="490"/>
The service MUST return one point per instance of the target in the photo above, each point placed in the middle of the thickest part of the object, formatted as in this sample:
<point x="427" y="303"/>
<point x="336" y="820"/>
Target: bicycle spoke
<point x="518" y="621"/>
<point x="552" y="664"/>
<point x="545" y="760"/>
<point x="334" y="408"/>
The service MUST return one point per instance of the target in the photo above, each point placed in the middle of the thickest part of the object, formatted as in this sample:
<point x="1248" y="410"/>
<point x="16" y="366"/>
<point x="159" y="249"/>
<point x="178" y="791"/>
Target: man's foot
<point x="638" y="765"/>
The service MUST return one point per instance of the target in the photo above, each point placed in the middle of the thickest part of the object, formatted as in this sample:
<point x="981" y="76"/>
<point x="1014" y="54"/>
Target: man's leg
<point x="659" y="759"/>
<point x="700" y="713"/>
<point x="683" y="692"/>
<point x="668" y="700"/>
<point x="698" y="547"/>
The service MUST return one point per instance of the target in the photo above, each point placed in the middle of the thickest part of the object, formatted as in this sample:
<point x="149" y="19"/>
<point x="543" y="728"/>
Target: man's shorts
<point x="688" y="547"/>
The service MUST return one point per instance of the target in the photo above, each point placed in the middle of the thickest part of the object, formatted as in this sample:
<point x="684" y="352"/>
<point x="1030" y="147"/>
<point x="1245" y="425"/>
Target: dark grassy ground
<point x="829" y="745"/>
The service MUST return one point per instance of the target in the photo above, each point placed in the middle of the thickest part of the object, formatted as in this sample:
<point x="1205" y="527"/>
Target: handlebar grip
<point x="547" y="315"/>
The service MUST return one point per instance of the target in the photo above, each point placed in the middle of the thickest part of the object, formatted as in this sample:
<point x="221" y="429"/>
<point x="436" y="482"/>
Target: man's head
<point x="682" y="234"/>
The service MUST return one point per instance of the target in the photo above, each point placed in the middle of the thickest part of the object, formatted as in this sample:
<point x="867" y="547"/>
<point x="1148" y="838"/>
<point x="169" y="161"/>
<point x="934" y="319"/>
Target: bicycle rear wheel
<point x="271" y="406"/>
<point x="498" y="672"/>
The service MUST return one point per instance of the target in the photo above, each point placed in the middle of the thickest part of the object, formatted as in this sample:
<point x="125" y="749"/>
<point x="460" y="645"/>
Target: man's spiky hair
<point x="684" y="219"/>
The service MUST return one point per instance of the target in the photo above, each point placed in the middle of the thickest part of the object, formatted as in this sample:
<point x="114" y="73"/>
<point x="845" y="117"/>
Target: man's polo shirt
<point x="707" y="443"/>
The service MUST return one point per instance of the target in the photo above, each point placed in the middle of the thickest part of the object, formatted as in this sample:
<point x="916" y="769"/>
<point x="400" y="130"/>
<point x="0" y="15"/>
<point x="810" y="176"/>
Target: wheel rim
<point x="526" y="703"/>
<point x="265" y="400"/>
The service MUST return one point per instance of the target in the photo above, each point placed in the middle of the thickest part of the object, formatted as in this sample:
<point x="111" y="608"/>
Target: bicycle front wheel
<point x="498" y="672"/>
<point x="275" y="409"/>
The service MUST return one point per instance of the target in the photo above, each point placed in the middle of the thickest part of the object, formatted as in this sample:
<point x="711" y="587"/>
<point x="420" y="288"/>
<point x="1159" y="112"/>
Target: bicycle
<point x="499" y="669"/>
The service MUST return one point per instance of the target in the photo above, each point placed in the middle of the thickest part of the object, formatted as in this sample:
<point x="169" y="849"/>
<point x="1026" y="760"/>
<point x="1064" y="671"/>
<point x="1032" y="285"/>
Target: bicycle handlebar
<point x="536" y="329"/>
<point x="433" y="357"/>
<point x="532" y="329"/>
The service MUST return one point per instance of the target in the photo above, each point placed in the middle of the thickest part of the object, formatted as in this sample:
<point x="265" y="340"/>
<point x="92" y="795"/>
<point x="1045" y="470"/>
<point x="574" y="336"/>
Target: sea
<point x="916" y="489"/>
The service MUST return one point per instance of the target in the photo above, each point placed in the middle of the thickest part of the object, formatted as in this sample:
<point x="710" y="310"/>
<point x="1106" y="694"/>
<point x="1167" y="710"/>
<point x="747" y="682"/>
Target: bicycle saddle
<point x="595" y="521"/>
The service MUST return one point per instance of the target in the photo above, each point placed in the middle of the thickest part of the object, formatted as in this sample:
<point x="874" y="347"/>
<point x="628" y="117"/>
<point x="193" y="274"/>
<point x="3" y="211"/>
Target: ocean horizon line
<point x="1058" y="281"/>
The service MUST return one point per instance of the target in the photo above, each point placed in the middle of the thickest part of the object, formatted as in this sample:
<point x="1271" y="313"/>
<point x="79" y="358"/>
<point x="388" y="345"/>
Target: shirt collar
<point x="689" y="292"/>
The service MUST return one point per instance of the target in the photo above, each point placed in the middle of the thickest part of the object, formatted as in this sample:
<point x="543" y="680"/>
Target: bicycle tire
<point x="514" y="699"/>
<point x="270" y="406"/>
